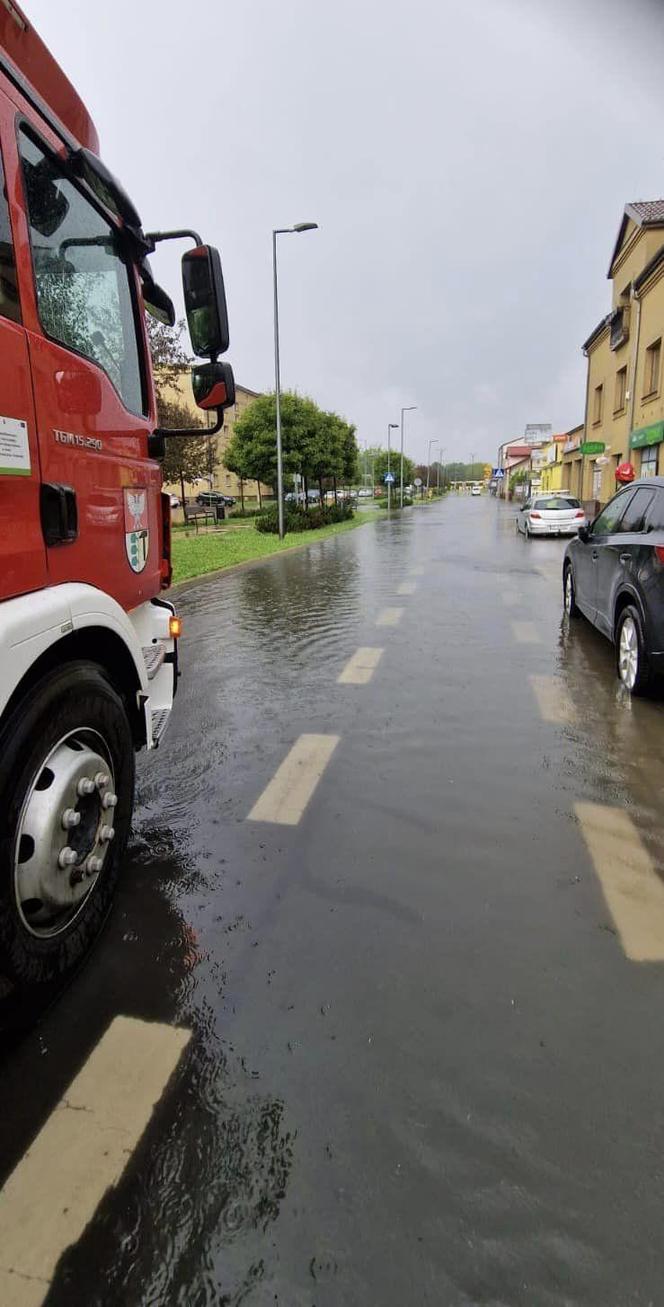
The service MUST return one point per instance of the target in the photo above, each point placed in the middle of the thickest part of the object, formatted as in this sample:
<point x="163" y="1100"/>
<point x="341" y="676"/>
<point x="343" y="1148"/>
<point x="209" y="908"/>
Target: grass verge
<point x="196" y="555"/>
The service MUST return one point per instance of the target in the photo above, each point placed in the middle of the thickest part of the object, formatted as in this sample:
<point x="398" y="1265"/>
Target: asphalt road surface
<point x="378" y="1017"/>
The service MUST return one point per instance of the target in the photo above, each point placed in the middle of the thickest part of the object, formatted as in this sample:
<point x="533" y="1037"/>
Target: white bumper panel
<point x="31" y="624"/>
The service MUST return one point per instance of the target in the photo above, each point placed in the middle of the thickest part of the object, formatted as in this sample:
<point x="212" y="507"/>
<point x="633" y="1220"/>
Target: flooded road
<point x="397" y="870"/>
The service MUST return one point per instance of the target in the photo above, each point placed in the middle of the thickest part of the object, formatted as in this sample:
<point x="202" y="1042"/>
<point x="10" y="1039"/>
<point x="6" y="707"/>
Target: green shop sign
<point x="592" y="447"/>
<point x="652" y="435"/>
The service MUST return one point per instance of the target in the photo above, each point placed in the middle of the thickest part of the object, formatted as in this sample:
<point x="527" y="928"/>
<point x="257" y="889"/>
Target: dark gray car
<point x="613" y="573"/>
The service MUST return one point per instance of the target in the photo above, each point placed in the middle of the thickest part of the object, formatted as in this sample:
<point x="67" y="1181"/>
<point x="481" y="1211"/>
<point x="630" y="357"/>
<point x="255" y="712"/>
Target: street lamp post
<point x="281" y="231"/>
<point x="409" y="408"/>
<point x="391" y="426"/>
<point x="441" y="451"/>
<point x="431" y="442"/>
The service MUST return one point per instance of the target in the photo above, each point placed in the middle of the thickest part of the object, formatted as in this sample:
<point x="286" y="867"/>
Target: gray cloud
<point x="468" y="165"/>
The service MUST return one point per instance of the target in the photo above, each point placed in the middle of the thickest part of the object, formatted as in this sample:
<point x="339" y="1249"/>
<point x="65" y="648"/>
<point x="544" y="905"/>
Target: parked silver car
<point x="554" y="514"/>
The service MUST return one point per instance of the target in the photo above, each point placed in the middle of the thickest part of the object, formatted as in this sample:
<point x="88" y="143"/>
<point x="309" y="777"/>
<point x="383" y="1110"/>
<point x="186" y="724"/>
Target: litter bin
<point x="219" y="512"/>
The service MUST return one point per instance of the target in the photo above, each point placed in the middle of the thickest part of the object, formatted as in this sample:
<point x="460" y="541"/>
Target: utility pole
<point x="281" y="231"/>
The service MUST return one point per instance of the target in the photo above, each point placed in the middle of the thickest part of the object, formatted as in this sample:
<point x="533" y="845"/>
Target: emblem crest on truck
<point x="137" y="532"/>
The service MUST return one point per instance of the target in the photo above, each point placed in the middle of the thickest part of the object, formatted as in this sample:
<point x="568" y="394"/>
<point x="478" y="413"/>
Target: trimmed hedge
<point x="302" y="519"/>
<point x="382" y="502"/>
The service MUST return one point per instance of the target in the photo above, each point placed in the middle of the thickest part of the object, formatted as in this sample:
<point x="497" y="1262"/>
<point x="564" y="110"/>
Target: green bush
<point x="298" y="518"/>
<point x="382" y="502"/>
<point x="245" y="512"/>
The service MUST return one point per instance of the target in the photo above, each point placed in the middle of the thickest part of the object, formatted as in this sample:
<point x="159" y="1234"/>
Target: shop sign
<point x="651" y="435"/>
<point x="592" y="447"/>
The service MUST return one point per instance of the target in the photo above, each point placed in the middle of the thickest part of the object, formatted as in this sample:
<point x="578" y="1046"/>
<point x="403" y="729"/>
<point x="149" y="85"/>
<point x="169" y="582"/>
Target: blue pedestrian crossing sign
<point x="497" y="473"/>
<point x="389" y="478"/>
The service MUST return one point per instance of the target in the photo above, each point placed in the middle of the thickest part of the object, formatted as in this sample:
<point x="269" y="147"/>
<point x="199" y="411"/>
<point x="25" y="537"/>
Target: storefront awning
<point x="652" y="435"/>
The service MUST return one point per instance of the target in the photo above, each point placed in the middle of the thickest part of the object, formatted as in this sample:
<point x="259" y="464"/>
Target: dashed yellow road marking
<point x="526" y="633"/>
<point x="81" y="1152"/>
<point x="552" y="700"/>
<point x="360" y="668"/>
<point x="284" y="800"/>
<point x="389" y="617"/>
<point x="633" y="891"/>
<point x="407" y="588"/>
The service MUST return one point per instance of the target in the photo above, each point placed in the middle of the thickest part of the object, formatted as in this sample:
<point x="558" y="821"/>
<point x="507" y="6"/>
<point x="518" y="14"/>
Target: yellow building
<point x="220" y="478"/>
<point x="552" y="465"/>
<point x="624" y="397"/>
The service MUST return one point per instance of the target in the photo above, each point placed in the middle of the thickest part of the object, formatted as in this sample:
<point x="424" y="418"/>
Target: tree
<point x="187" y="457"/>
<point x="315" y="444"/>
<point x="378" y="457"/>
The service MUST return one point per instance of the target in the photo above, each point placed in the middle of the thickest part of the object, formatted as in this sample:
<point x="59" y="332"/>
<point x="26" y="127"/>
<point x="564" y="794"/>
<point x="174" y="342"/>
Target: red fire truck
<point x="88" y="645"/>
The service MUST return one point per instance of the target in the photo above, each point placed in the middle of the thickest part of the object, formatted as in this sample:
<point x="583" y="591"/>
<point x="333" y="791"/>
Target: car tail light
<point x="175" y="627"/>
<point x="659" y="550"/>
<point x="535" y="514"/>
<point x="580" y="513"/>
<point x="166" y="570"/>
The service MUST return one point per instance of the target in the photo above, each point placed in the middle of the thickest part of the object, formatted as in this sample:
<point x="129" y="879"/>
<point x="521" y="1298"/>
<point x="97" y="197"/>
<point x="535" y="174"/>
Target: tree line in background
<point x="318" y="446"/>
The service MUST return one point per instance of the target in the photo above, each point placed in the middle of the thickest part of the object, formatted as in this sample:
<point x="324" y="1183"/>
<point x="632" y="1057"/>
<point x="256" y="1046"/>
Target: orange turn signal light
<point x="174" y="627"/>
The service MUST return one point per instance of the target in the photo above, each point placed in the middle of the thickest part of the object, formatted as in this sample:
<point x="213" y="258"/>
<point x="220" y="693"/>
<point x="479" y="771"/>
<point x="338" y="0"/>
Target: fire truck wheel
<point x="66" y="796"/>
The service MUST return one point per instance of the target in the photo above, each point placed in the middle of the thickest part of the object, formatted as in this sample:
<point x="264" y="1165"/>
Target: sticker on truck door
<point x="137" y="534"/>
<point x="14" y="448"/>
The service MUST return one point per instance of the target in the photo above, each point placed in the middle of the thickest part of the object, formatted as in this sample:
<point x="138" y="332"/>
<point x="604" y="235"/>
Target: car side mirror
<point x="205" y="301"/>
<point x="584" y="534"/>
<point x="213" y="385"/>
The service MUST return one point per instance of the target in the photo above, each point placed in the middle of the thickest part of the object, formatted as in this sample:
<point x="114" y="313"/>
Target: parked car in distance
<point x="613" y="574"/>
<point x="365" y="493"/>
<point x="475" y="490"/>
<point x="552" y="514"/>
<point x="175" y="502"/>
<point x="208" y="499"/>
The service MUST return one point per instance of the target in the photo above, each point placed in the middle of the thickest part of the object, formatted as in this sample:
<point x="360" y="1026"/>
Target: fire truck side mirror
<point x="205" y="301"/>
<point x="213" y="385"/>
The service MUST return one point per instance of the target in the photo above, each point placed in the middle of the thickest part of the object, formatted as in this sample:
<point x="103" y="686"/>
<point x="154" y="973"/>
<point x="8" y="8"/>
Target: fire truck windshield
<point x="82" y="281"/>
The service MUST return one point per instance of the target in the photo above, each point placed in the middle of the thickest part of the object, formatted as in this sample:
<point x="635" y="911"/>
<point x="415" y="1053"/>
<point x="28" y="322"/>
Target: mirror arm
<point x="181" y="234"/>
<point x="165" y="432"/>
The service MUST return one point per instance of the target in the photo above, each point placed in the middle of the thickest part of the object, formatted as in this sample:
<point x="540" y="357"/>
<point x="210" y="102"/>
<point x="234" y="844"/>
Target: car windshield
<point x="557" y="503"/>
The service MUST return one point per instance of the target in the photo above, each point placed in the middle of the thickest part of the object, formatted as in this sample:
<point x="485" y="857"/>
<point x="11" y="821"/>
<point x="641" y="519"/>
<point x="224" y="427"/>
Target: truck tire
<point x="66" y="798"/>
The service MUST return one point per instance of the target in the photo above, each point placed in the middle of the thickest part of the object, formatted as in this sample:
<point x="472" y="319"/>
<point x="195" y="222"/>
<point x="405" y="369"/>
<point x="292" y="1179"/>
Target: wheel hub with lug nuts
<point x="64" y="832"/>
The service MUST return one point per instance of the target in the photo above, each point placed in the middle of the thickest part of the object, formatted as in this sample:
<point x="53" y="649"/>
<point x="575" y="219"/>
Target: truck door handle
<point x="625" y="558"/>
<point x="59" y="514"/>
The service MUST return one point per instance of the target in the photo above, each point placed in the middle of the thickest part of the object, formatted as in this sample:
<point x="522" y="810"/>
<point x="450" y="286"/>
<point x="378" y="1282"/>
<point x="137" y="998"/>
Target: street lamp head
<point x="305" y="226"/>
<point x="409" y="408"/>
<point x="393" y="425"/>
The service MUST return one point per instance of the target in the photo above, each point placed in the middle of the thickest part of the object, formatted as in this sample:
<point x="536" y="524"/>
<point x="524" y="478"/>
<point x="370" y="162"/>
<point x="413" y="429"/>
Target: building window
<point x="649" y="461"/>
<point x="597" y="481"/>
<point x="621" y="389"/>
<point x="653" y="361"/>
<point x="597" y="406"/>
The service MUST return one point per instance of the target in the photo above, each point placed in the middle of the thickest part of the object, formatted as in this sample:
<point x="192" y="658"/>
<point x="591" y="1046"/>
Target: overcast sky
<point x="468" y="165"/>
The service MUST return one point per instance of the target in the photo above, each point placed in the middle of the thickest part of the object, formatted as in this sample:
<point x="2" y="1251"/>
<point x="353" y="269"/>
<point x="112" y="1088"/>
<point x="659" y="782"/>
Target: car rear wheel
<point x="569" y="594"/>
<point x="632" y="661"/>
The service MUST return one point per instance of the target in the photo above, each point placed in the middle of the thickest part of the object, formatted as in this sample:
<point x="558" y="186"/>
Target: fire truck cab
<point x="88" y="647"/>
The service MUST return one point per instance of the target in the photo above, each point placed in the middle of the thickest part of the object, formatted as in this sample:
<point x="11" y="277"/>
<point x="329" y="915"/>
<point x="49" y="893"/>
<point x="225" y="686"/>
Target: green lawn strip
<point x="195" y="555"/>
